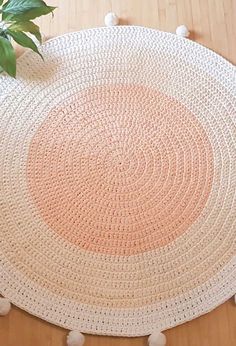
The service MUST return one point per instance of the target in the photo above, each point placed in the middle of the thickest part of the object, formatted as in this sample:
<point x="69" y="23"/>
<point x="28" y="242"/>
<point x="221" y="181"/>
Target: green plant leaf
<point x="31" y="14"/>
<point x="1" y="1"/>
<point x="24" y="10"/>
<point x="21" y="6"/>
<point x="26" y="27"/>
<point x="3" y="34"/>
<point x="23" y="40"/>
<point x="7" y="57"/>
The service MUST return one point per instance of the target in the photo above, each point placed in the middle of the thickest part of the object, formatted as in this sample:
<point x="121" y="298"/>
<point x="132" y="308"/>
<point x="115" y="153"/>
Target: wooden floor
<point x="213" y="24"/>
<point x="218" y="328"/>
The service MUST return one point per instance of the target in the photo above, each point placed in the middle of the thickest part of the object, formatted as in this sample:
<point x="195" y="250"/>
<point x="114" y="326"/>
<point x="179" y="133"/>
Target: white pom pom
<point x="5" y="306"/>
<point x="157" y="339"/>
<point x="111" y="19"/>
<point x="182" y="30"/>
<point x="75" y="338"/>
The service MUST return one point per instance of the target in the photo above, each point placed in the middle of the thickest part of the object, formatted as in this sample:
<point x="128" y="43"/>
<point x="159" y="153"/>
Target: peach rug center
<point x="120" y="169"/>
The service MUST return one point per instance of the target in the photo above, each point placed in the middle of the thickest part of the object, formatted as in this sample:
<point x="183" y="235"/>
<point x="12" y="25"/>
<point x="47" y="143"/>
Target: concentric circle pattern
<point x="131" y="169"/>
<point x="117" y="168"/>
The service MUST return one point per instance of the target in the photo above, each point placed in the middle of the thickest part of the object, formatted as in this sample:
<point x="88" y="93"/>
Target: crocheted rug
<point x="117" y="170"/>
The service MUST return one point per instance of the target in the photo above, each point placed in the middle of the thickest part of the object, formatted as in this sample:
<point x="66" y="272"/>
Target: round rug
<point x="118" y="184"/>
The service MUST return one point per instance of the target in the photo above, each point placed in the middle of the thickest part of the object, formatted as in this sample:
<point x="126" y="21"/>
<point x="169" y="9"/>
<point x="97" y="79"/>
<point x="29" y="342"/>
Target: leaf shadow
<point x="31" y="68"/>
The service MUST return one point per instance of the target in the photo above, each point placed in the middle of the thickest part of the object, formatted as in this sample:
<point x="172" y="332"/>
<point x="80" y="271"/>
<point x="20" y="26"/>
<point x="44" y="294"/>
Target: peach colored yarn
<point x="117" y="181"/>
<point x="120" y="169"/>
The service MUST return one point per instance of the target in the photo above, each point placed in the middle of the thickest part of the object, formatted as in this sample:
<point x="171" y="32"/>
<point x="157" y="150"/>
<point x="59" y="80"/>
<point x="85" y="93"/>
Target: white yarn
<point x="183" y="31"/>
<point x="5" y="306"/>
<point x="157" y="339"/>
<point x="75" y="338"/>
<point x="111" y="19"/>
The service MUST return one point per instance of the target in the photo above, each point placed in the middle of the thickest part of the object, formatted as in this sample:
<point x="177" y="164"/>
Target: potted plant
<point x="16" y="24"/>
